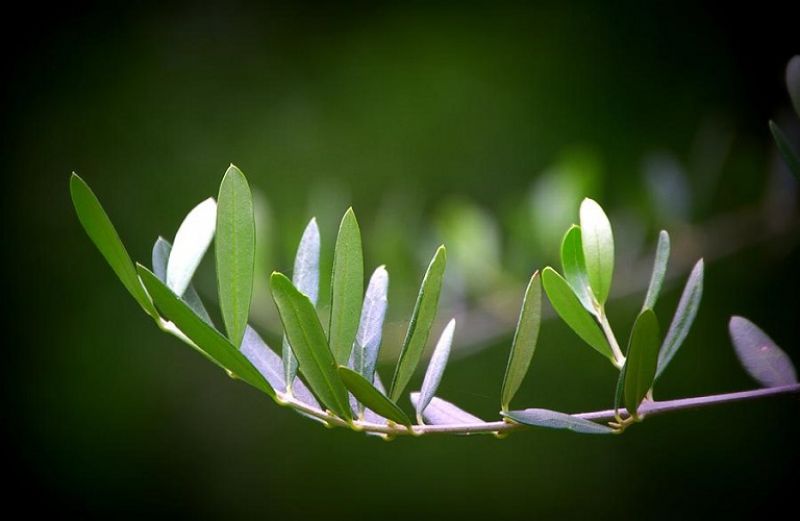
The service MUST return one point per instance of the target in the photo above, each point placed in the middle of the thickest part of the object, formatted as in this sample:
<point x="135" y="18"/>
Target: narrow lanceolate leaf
<point x="269" y="364"/>
<point x="370" y="328"/>
<point x="419" y="327"/>
<point x="441" y="412"/>
<point x="102" y="233"/>
<point x="347" y="287"/>
<point x="568" y="307"/>
<point x="305" y="333"/>
<point x="641" y="360"/>
<point x="367" y="394"/>
<point x="435" y="368"/>
<point x="574" y="266"/>
<point x="208" y="339"/>
<point x="235" y="251"/>
<point x="759" y="355"/>
<point x="305" y="278"/>
<point x="557" y="420"/>
<point x="683" y="319"/>
<point x="161" y="252"/>
<point x="659" y="270"/>
<point x="598" y="248"/>
<point x="787" y="151"/>
<point x="524" y="343"/>
<point x="191" y="242"/>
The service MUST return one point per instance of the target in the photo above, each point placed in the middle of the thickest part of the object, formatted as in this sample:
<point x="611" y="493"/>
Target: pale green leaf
<point x="568" y="307"/>
<point x="659" y="270"/>
<point x="302" y="326"/>
<point x="598" y="248"/>
<point x="207" y="339"/>
<point x="98" y="227"/>
<point x="419" y="327"/>
<point x="435" y="368"/>
<point x="235" y="252"/>
<point x="347" y="288"/>
<point x="760" y="355"/>
<point x="305" y="278"/>
<point x="367" y="394"/>
<point x="683" y="319"/>
<point x="442" y="412"/>
<point x="191" y="242"/>
<point x="524" y="344"/>
<point x="641" y="360"/>
<point x="557" y="420"/>
<point x="370" y="328"/>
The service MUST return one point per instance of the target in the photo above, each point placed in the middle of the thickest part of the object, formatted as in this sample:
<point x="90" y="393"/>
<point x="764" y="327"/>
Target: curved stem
<point x="646" y="409"/>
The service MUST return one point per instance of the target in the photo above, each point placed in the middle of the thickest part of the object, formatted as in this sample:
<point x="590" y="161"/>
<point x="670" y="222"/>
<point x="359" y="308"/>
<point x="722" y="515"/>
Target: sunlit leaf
<point x="191" y="242"/>
<point x="787" y="151"/>
<point x="347" y="288"/>
<point x="161" y="251"/>
<point x="208" y="339"/>
<point x="574" y="266"/>
<point x="305" y="278"/>
<point x="571" y="311"/>
<point x="367" y="394"/>
<point x="102" y="233"/>
<point x="683" y="319"/>
<point x="659" y="270"/>
<point x="557" y="420"/>
<point x="641" y="360"/>
<point x="419" y="327"/>
<point x="235" y="252"/>
<point x="436" y="368"/>
<point x="524" y="344"/>
<point x="370" y="328"/>
<point x="442" y="412"/>
<point x="759" y="355"/>
<point x="598" y="248"/>
<point x="302" y="327"/>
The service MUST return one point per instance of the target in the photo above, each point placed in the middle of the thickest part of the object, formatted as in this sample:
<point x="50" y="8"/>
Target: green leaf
<point x="683" y="319"/>
<point x="370" y="328"/>
<point x="305" y="278"/>
<point x="102" y="233"/>
<point x="568" y="307"/>
<point x="435" y="368"/>
<point x="441" y="412"/>
<point x="305" y="333"/>
<point x="367" y="394"/>
<point x="235" y="250"/>
<point x="786" y="150"/>
<point x="524" y="344"/>
<point x="208" y="339"/>
<point x="641" y="360"/>
<point x="793" y="81"/>
<point x="161" y="252"/>
<point x="598" y="248"/>
<point x="347" y="287"/>
<point x="659" y="270"/>
<point x="557" y="420"/>
<point x="419" y="327"/>
<point x="191" y="242"/>
<point x="574" y="266"/>
<point x="760" y="355"/>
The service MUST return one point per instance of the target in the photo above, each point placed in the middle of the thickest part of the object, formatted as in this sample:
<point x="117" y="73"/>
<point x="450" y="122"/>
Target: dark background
<point x="395" y="110"/>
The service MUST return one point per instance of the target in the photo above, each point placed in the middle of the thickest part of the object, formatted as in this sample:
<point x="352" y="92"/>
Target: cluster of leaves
<point x="337" y="360"/>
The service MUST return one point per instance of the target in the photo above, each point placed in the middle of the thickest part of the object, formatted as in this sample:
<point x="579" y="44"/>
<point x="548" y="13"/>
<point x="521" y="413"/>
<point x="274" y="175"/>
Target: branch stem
<point x="648" y="408"/>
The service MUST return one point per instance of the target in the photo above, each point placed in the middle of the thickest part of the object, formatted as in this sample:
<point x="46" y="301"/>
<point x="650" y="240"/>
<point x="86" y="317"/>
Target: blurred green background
<point x="477" y="124"/>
